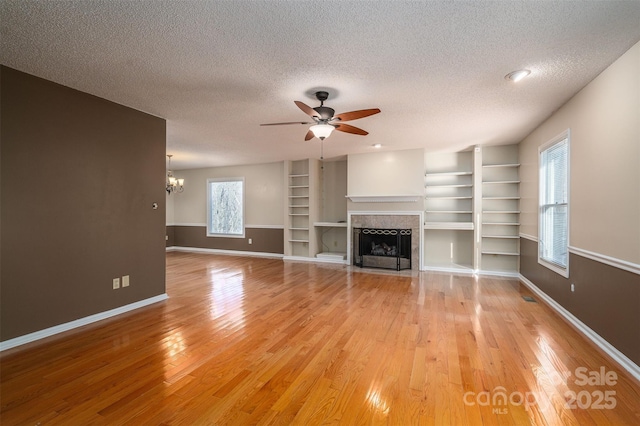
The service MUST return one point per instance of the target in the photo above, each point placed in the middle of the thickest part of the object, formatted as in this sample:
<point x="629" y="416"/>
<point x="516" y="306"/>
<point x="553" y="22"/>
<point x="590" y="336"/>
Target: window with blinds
<point x="553" y="229"/>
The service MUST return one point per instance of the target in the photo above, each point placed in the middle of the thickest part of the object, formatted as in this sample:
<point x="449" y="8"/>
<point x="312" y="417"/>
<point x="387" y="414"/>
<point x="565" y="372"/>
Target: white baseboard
<point x="506" y="274"/>
<point x="226" y="252"/>
<point x="620" y="358"/>
<point x="450" y="270"/>
<point x="47" y="332"/>
<point x="467" y="271"/>
<point x="313" y="260"/>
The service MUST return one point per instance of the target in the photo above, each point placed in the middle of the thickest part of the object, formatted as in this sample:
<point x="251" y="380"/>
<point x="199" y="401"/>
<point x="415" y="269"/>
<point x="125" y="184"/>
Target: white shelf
<point x="330" y="224"/>
<point x="500" y="198"/>
<point x="465" y="226"/>
<point x="500" y="211"/>
<point x="501" y="165"/>
<point x="453" y="185"/>
<point x="449" y="174"/>
<point x="501" y="253"/>
<point x="298" y="186"/>
<point x="448" y="198"/>
<point x="298" y="241"/>
<point x="299" y="176"/>
<point x="501" y="223"/>
<point x="449" y="211"/>
<point x="515" y="237"/>
<point x="499" y="182"/>
<point x="299" y="229"/>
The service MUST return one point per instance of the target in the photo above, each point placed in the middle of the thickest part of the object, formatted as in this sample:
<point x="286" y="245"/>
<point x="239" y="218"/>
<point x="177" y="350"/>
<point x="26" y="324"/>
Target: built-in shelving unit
<point x="298" y="184"/>
<point x="448" y="199"/>
<point x="331" y="229"/>
<point x="448" y="205"/>
<point x="471" y="210"/>
<point x="500" y="219"/>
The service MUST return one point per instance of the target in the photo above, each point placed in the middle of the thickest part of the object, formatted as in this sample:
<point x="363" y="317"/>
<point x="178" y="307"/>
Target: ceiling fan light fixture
<point x="516" y="76"/>
<point x="321" y="131"/>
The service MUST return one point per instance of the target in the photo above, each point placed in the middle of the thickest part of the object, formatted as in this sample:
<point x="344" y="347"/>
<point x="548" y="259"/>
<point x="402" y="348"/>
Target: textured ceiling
<point x="216" y="70"/>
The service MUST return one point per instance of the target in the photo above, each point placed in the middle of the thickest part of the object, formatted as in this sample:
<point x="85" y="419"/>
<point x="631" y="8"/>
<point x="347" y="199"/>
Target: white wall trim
<point x="47" y="332"/>
<point x="611" y="261"/>
<point x="607" y="347"/>
<point x="602" y="258"/>
<point x="225" y="252"/>
<point x="204" y="225"/>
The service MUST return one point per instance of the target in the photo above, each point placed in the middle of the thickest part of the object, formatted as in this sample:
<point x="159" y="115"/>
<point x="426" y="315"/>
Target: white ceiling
<point x="215" y="70"/>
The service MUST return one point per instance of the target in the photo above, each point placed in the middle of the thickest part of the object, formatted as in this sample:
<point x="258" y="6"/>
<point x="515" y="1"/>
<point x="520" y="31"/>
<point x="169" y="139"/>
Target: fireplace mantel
<point x="384" y="198"/>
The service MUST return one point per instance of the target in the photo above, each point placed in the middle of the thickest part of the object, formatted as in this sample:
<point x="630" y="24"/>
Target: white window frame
<point x="210" y="233"/>
<point x="564" y="136"/>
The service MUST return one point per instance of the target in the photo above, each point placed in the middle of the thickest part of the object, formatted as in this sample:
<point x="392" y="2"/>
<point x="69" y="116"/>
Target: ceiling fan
<point x="324" y="120"/>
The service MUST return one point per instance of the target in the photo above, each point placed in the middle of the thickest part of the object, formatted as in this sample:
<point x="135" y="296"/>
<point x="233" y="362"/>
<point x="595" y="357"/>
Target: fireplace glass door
<point x="382" y="248"/>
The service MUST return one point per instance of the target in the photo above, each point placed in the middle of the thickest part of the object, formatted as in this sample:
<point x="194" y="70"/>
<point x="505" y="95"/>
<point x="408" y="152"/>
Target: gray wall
<point x="79" y="175"/>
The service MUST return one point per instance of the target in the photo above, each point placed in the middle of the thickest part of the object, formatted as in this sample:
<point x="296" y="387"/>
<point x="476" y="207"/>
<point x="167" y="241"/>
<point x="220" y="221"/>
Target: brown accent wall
<point x="265" y="240"/>
<point x="170" y="236"/>
<point x="79" y="175"/>
<point x="606" y="298"/>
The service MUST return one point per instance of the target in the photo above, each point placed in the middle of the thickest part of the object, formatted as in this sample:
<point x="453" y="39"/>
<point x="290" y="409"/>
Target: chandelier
<point x="173" y="184"/>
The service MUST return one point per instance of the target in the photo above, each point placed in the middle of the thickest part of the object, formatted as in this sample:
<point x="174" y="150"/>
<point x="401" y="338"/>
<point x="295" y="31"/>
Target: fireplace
<point x="382" y="248"/>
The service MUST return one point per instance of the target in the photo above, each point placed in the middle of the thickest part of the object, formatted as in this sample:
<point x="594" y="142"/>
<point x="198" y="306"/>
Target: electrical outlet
<point x="125" y="281"/>
<point x="116" y="283"/>
<point x="250" y="241"/>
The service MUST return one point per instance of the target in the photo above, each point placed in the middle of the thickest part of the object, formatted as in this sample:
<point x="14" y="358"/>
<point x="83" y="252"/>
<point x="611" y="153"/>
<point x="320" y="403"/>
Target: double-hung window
<point x="225" y="207"/>
<point x="553" y="225"/>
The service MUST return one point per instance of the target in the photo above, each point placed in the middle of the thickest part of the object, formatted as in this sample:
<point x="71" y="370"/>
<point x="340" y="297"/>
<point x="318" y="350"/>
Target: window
<point x="553" y="229"/>
<point x="225" y="207"/>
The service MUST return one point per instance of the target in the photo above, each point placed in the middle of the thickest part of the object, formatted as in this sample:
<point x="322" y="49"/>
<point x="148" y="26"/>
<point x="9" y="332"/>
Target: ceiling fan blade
<point x="354" y="115"/>
<point x="307" y="109"/>
<point x="287" y="122"/>
<point x="350" y="129"/>
<point x="309" y="136"/>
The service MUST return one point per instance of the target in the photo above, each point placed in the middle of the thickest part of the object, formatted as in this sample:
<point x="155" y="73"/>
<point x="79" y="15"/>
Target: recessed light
<point x="377" y="145"/>
<point x="516" y="76"/>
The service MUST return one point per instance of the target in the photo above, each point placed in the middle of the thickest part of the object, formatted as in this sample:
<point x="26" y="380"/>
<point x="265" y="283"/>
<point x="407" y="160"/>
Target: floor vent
<point x="529" y="299"/>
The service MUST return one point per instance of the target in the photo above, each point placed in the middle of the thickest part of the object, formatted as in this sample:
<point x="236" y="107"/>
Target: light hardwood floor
<point x="257" y="341"/>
